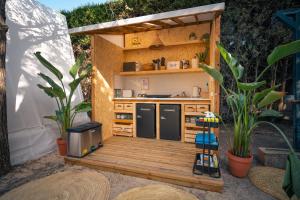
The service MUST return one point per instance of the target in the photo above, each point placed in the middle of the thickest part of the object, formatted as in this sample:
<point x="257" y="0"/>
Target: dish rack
<point x="207" y="162"/>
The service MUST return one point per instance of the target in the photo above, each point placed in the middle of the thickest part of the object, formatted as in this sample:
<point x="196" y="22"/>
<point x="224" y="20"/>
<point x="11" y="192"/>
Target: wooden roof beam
<point x="178" y="21"/>
<point x="161" y="23"/>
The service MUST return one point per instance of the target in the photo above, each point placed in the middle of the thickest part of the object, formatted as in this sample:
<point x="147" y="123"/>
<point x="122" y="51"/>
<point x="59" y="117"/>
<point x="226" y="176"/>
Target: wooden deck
<point x="166" y="161"/>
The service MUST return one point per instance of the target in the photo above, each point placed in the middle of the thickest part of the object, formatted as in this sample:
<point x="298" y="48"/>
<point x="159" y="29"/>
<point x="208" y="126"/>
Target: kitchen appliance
<point x="117" y="93"/>
<point x="196" y="92"/>
<point x="146" y="120"/>
<point x="173" y="65"/>
<point x="127" y="93"/>
<point x="129" y="66"/>
<point x="170" y="122"/>
<point x="84" y="139"/>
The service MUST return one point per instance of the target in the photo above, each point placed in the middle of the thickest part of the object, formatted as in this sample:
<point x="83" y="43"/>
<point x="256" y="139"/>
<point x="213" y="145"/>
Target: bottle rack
<point x="207" y="162"/>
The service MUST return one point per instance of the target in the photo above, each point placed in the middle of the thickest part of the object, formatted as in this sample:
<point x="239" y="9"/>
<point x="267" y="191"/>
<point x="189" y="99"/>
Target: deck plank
<point x="165" y="161"/>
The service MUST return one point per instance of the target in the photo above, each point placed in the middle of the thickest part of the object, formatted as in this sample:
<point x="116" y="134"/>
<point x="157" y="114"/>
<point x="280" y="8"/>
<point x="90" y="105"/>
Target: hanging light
<point x="157" y="43"/>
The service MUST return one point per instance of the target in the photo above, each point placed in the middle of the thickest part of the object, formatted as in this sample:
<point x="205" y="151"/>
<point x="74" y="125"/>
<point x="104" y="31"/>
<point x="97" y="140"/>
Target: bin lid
<point x="84" y="127"/>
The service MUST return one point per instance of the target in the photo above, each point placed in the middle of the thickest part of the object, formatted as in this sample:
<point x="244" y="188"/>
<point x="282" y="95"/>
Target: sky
<point x="68" y="4"/>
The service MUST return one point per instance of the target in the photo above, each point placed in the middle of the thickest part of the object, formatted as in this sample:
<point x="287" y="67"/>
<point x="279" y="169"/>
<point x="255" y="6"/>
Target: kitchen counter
<point x="161" y="99"/>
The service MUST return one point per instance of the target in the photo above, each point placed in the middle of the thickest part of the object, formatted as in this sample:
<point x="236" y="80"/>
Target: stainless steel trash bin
<point x="84" y="139"/>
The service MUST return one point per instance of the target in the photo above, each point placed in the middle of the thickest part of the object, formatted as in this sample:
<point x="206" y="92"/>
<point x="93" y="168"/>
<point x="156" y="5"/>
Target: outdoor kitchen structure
<point x="148" y="90"/>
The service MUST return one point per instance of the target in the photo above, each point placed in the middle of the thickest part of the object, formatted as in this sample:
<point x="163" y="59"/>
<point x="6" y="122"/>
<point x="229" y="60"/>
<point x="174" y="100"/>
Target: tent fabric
<point x="34" y="27"/>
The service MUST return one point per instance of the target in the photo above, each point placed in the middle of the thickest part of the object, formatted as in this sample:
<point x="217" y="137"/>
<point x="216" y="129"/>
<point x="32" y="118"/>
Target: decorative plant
<point x="247" y="103"/>
<point x="203" y="55"/>
<point x="65" y="113"/>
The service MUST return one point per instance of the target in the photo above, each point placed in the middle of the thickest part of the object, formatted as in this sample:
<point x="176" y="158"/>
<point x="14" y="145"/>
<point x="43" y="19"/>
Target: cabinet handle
<point x="169" y="110"/>
<point x="162" y="117"/>
<point x="139" y="116"/>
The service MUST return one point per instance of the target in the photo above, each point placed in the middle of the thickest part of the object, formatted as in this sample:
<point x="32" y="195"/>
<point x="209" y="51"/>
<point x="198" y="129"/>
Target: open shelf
<point x="157" y="72"/>
<point x="167" y="45"/>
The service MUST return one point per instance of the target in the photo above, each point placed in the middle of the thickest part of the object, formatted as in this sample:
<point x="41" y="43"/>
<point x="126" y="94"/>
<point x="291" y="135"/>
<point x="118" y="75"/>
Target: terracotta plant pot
<point x="62" y="146"/>
<point x="239" y="166"/>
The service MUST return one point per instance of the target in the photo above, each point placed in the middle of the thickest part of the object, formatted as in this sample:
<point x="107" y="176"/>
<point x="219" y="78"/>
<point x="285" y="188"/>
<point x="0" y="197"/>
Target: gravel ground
<point x="234" y="188"/>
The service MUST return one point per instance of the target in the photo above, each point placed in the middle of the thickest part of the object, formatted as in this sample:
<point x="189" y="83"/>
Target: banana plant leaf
<point x="74" y="69"/>
<point x="49" y="66"/>
<point x="283" y="50"/>
<point x="250" y="86"/>
<point x="236" y="69"/>
<point x="291" y="181"/>
<point x="83" y="107"/>
<point x="213" y="73"/>
<point x="270" y="98"/>
<point x="270" y="113"/>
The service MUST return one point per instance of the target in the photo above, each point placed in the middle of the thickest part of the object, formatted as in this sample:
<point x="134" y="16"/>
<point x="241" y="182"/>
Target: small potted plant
<point x="65" y="113"/>
<point x="201" y="56"/>
<point x="248" y="104"/>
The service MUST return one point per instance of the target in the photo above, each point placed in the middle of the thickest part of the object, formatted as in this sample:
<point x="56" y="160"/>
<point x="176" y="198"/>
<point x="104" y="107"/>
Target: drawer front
<point x="190" y="108"/>
<point x="122" y="133"/>
<point x="122" y="126"/>
<point x="128" y="106"/>
<point x="119" y="106"/>
<point x="192" y="132"/>
<point x="202" y="108"/>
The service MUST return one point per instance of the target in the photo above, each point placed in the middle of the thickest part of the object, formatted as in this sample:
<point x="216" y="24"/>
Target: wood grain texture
<point x="4" y="148"/>
<point x="166" y="161"/>
<point x="108" y="59"/>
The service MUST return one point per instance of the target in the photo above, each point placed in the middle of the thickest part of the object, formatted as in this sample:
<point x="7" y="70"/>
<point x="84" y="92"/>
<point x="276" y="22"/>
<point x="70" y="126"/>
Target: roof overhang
<point x="183" y="17"/>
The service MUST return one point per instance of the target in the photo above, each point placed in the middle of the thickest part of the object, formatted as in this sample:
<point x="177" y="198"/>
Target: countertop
<point x="164" y="99"/>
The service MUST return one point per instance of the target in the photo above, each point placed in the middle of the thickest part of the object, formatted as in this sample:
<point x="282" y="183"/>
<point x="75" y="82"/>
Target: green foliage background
<point x="248" y="30"/>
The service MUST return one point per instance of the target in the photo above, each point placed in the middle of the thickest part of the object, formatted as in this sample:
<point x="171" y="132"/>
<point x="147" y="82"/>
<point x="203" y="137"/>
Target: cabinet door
<point x="170" y="122"/>
<point x="146" y="120"/>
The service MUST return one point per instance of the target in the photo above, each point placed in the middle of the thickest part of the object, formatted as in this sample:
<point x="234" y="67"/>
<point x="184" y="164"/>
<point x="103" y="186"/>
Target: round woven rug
<point x="69" y="185"/>
<point x="269" y="180"/>
<point x="155" y="192"/>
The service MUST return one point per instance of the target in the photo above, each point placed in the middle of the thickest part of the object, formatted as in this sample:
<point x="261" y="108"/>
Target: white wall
<point x="33" y="27"/>
<point x="172" y="83"/>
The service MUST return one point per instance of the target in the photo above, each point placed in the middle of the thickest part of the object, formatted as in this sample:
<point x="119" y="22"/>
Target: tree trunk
<point x="4" y="148"/>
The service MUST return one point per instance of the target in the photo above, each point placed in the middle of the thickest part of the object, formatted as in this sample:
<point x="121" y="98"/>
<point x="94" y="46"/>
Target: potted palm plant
<point x="65" y="113"/>
<point x="248" y="104"/>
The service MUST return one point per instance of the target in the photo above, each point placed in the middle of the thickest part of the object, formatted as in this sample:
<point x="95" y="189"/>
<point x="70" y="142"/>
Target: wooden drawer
<point x="202" y="108"/>
<point x="119" y="106"/>
<point x="128" y="106"/>
<point x="122" y="126"/>
<point x="121" y="133"/>
<point x="191" y="132"/>
<point x="190" y="108"/>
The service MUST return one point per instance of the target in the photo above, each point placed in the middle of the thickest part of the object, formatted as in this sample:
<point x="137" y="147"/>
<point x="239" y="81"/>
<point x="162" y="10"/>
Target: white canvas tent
<point x="34" y="27"/>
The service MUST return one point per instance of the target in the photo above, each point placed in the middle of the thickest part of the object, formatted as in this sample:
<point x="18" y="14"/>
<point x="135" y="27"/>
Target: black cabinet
<point x="170" y="122"/>
<point x="146" y="120"/>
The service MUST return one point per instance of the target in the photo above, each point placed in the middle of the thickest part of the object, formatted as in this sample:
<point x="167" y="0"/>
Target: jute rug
<point x="69" y="185"/>
<point x="155" y="192"/>
<point x="269" y="180"/>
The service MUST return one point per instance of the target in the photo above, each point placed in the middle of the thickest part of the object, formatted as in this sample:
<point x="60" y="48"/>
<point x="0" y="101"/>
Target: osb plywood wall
<point x="107" y="60"/>
<point x="168" y="36"/>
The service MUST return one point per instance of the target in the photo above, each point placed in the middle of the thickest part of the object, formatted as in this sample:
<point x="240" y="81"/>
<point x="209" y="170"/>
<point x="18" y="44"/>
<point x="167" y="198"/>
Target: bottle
<point x="195" y="62"/>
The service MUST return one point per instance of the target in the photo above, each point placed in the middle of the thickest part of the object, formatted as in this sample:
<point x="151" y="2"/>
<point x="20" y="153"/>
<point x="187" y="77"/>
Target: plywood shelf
<point x="158" y="72"/>
<point x="123" y="111"/>
<point x="127" y="121"/>
<point x="167" y="45"/>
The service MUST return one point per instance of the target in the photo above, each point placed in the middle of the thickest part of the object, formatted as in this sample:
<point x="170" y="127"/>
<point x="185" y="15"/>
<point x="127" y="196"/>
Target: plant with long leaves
<point x="65" y="113"/>
<point x="248" y="103"/>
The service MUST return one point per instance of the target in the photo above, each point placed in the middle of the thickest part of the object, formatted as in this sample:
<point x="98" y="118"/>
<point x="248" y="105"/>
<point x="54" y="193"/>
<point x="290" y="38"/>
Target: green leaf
<point x="74" y="69"/>
<point x="259" y="95"/>
<point x="213" y="73"/>
<point x="282" y="51"/>
<point x="60" y="116"/>
<point x="53" y="92"/>
<point x="54" y="118"/>
<point x="270" y="98"/>
<point x="74" y="84"/>
<point x="236" y="69"/>
<point x="250" y="86"/>
<point x="270" y="113"/>
<point x="83" y="107"/>
<point x="47" y="90"/>
<point x="51" y="82"/>
<point x="48" y="65"/>
<point x="84" y="73"/>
